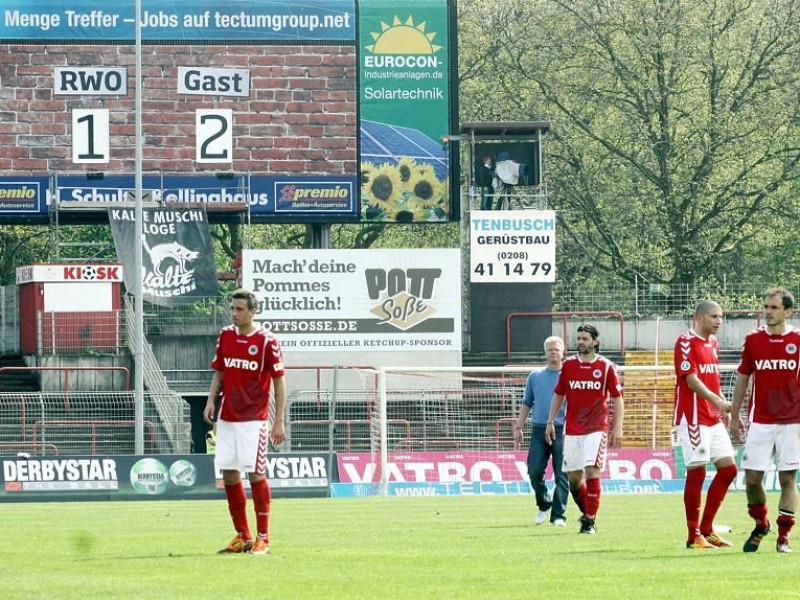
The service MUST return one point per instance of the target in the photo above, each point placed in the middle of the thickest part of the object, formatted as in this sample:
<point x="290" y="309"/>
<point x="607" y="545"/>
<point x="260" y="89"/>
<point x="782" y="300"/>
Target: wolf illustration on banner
<point x="181" y="257"/>
<point x="172" y="250"/>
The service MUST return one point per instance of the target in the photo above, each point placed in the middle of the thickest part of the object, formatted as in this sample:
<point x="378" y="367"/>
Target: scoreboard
<point x="303" y="111"/>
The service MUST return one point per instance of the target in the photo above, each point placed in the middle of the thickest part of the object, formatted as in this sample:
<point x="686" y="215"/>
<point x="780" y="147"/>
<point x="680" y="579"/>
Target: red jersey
<point x="247" y="364"/>
<point x="696" y="356"/>
<point x="772" y="361"/>
<point x="586" y="388"/>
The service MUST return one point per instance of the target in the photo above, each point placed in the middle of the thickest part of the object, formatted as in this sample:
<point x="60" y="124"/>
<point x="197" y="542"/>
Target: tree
<point x="21" y="245"/>
<point x="674" y="145"/>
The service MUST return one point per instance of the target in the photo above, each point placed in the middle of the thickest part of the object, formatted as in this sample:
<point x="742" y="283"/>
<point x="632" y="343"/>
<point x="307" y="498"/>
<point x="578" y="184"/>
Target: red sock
<point x="759" y="514"/>
<point x="237" y="506"/>
<point x="785" y="523"/>
<point x="716" y="494"/>
<point x="262" y="496"/>
<point x="692" y="493"/>
<point x="592" y="497"/>
<point x="579" y="495"/>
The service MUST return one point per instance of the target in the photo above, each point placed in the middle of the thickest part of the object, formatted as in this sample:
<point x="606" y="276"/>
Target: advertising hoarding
<point x="358" y="300"/>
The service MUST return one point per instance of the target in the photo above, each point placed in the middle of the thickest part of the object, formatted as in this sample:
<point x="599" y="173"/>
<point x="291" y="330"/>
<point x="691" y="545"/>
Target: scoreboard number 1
<point x="214" y="136"/>
<point x="90" y="137"/>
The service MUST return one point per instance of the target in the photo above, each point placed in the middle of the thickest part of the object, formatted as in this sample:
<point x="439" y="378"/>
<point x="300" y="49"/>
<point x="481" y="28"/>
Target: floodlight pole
<point x="138" y="355"/>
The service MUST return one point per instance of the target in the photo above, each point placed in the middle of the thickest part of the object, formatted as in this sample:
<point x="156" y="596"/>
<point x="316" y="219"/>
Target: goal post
<point x="451" y="428"/>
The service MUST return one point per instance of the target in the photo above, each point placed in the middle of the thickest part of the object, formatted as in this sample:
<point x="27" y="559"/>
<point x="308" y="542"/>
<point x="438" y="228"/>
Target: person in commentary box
<point x="484" y="178"/>
<point x="586" y="382"/>
<point x="247" y="364"/>
<point x="536" y="402"/>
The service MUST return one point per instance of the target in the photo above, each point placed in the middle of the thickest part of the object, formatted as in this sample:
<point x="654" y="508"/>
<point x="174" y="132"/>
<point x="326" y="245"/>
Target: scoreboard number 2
<point x="90" y="138"/>
<point x="214" y="136"/>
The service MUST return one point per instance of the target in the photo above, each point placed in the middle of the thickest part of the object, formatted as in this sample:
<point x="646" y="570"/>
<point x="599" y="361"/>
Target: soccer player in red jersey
<point x="771" y="358"/>
<point x="248" y="362"/>
<point x="701" y="418"/>
<point x="586" y="382"/>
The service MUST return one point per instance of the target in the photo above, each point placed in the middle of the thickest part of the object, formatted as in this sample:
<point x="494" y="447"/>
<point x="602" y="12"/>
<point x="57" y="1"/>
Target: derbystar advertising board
<point x="153" y="477"/>
<point x="358" y="300"/>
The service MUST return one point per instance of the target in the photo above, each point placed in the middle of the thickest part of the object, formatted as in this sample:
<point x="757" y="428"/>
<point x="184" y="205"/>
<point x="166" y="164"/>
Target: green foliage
<point x="672" y="155"/>
<point x="344" y="236"/>
<point x="21" y="245"/>
<point x="673" y="150"/>
<point x="459" y="547"/>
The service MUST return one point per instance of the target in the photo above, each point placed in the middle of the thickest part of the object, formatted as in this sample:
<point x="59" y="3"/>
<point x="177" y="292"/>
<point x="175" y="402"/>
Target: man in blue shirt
<point x="538" y="393"/>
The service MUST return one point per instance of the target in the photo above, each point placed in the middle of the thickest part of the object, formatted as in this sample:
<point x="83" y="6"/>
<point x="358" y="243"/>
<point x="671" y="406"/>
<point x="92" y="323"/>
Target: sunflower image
<point x="425" y="187"/>
<point x="442" y="208"/>
<point x="383" y="189"/>
<point x="427" y="170"/>
<point x="368" y="173"/>
<point x="414" y="204"/>
<point x="408" y="213"/>
<point x="404" y="216"/>
<point x="406" y="166"/>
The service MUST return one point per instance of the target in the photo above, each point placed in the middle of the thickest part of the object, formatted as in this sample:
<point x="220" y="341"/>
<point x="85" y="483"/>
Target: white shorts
<point x="764" y="441"/>
<point x="581" y="451"/>
<point x="241" y="446"/>
<point x="702" y="444"/>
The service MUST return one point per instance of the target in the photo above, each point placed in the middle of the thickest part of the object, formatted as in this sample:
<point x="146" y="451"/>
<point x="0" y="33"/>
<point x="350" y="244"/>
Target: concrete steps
<point x="17" y="381"/>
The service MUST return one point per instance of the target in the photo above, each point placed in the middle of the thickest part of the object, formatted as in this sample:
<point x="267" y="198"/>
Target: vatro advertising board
<point x="358" y="300"/>
<point x="630" y="471"/>
<point x="513" y="246"/>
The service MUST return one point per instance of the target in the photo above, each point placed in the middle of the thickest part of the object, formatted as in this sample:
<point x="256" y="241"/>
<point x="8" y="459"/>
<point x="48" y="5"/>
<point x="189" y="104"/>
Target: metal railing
<point x="172" y="409"/>
<point x="509" y="197"/>
<point x="41" y="429"/>
<point x="564" y="317"/>
<point x="87" y="423"/>
<point x="66" y="371"/>
<point x="9" y="320"/>
<point x="79" y="332"/>
<point x="641" y="299"/>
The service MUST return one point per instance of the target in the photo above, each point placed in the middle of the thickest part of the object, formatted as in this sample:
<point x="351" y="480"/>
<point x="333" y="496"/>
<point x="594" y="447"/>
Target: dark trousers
<point x="199" y="427"/>
<point x="486" y="198"/>
<point x="539" y="454"/>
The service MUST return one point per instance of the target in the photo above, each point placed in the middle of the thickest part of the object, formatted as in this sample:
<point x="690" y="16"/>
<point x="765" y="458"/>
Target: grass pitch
<point x="458" y="547"/>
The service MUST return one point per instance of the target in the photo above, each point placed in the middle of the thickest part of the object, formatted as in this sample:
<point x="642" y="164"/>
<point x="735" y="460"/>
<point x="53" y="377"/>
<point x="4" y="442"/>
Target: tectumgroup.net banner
<point x="76" y="21"/>
<point x="358" y="300"/>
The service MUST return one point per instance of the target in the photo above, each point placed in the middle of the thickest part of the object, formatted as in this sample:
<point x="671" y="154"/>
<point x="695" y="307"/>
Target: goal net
<point x="453" y="427"/>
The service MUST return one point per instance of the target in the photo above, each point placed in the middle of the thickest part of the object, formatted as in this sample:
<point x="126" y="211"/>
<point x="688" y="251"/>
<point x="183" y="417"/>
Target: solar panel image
<point x="382" y="142"/>
<point x="404" y="175"/>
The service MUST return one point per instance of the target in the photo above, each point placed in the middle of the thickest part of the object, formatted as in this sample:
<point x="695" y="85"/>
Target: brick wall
<point x="300" y="116"/>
